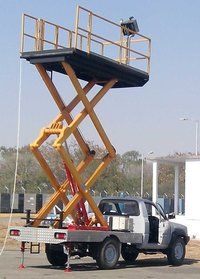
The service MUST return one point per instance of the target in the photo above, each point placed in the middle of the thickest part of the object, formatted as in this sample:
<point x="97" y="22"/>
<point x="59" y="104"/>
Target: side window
<point x="108" y="208"/>
<point x="152" y="210"/>
<point x="120" y="208"/>
<point x="129" y="208"/>
<point x="148" y="208"/>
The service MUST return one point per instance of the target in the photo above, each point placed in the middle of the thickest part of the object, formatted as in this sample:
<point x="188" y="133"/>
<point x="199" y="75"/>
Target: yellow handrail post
<point x="76" y="27"/>
<point x="89" y="32"/>
<point x="56" y="34"/>
<point x="22" y="34"/>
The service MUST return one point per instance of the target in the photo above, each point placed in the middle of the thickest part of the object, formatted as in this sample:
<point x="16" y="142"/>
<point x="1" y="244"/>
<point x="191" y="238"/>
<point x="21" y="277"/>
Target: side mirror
<point x="171" y="215"/>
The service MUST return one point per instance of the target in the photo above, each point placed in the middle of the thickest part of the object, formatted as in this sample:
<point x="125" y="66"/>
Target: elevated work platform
<point x="81" y="54"/>
<point x="88" y="66"/>
<point x="97" y="48"/>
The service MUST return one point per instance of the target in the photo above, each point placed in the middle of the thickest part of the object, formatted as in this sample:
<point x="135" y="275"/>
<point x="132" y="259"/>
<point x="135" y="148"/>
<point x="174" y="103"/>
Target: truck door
<point x="164" y="226"/>
<point x="159" y="227"/>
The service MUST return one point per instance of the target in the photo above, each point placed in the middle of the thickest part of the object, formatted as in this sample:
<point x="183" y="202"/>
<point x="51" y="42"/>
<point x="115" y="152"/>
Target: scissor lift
<point x="99" y="61"/>
<point x="95" y="68"/>
<point x="63" y="132"/>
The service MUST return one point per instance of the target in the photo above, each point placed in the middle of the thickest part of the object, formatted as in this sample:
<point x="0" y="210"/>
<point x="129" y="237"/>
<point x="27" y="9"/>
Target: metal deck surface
<point x="88" y="66"/>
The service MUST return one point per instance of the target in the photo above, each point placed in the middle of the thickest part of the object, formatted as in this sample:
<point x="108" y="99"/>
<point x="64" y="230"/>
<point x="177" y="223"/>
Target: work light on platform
<point x="130" y="25"/>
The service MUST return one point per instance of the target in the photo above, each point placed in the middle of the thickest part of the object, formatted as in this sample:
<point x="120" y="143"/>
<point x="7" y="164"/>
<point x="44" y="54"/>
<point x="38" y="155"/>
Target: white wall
<point x="193" y="226"/>
<point x="192" y="189"/>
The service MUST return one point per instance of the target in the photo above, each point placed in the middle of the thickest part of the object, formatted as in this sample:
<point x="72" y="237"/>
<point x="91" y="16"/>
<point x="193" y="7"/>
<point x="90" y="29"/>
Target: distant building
<point x="192" y="190"/>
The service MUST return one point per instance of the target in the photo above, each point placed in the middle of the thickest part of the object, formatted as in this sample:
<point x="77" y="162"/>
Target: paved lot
<point x="150" y="268"/>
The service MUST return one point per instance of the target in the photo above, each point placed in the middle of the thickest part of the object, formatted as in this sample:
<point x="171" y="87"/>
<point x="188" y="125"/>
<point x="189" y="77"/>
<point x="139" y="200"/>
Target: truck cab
<point x="159" y="233"/>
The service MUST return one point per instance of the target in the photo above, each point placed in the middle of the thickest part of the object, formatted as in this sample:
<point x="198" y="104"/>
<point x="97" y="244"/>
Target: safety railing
<point x="39" y="34"/>
<point x="125" y="50"/>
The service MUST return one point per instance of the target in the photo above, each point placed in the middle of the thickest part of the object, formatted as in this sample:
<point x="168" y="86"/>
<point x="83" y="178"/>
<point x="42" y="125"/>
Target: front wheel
<point x="129" y="253"/>
<point x="176" y="253"/>
<point x="108" y="254"/>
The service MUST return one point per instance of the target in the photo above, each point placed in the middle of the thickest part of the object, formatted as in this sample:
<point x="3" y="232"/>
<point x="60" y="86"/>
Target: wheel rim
<point x="110" y="253"/>
<point x="178" y="251"/>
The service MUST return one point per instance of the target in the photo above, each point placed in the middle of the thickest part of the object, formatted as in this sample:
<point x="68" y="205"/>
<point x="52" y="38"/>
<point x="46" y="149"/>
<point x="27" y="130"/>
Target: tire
<point x="176" y="252"/>
<point x="108" y="255"/>
<point x="129" y="253"/>
<point x="55" y="255"/>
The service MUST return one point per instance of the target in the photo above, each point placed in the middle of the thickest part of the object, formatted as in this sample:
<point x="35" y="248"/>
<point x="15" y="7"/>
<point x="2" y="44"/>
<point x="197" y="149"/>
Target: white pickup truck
<point x="135" y="226"/>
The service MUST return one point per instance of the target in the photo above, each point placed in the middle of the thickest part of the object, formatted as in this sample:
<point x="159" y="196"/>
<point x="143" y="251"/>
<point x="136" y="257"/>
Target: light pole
<point x="196" y="121"/>
<point x="142" y="177"/>
<point x="142" y="174"/>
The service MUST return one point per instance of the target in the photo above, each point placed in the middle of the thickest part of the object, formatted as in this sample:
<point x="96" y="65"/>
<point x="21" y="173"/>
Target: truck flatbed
<point x="48" y="235"/>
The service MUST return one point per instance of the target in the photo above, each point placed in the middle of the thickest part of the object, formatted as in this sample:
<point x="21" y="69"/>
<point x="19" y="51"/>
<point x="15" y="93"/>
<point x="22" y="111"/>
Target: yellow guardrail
<point x="48" y="35"/>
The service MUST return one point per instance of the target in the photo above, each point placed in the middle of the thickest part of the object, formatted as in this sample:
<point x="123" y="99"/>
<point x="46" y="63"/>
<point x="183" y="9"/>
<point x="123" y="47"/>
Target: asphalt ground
<point x="37" y="266"/>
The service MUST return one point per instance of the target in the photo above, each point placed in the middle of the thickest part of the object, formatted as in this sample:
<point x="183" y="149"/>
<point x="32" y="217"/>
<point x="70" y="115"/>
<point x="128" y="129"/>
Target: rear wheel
<point x="56" y="255"/>
<point x="109" y="252"/>
<point x="176" y="253"/>
<point x="129" y="253"/>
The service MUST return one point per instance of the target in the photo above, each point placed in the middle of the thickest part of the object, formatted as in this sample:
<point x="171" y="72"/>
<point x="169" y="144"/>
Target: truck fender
<point x="178" y="232"/>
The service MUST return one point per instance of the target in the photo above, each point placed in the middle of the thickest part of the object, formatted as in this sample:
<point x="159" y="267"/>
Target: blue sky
<point x="144" y="119"/>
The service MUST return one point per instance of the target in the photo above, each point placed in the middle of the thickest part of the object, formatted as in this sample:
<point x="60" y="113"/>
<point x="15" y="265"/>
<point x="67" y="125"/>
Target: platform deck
<point x="88" y="66"/>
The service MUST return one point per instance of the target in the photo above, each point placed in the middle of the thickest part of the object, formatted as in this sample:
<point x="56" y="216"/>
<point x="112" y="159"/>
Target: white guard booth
<point x="191" y="218"/>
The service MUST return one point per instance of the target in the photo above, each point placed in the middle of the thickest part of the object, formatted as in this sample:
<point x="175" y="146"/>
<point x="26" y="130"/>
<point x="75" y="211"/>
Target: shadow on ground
<point x="142" y="263"/>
